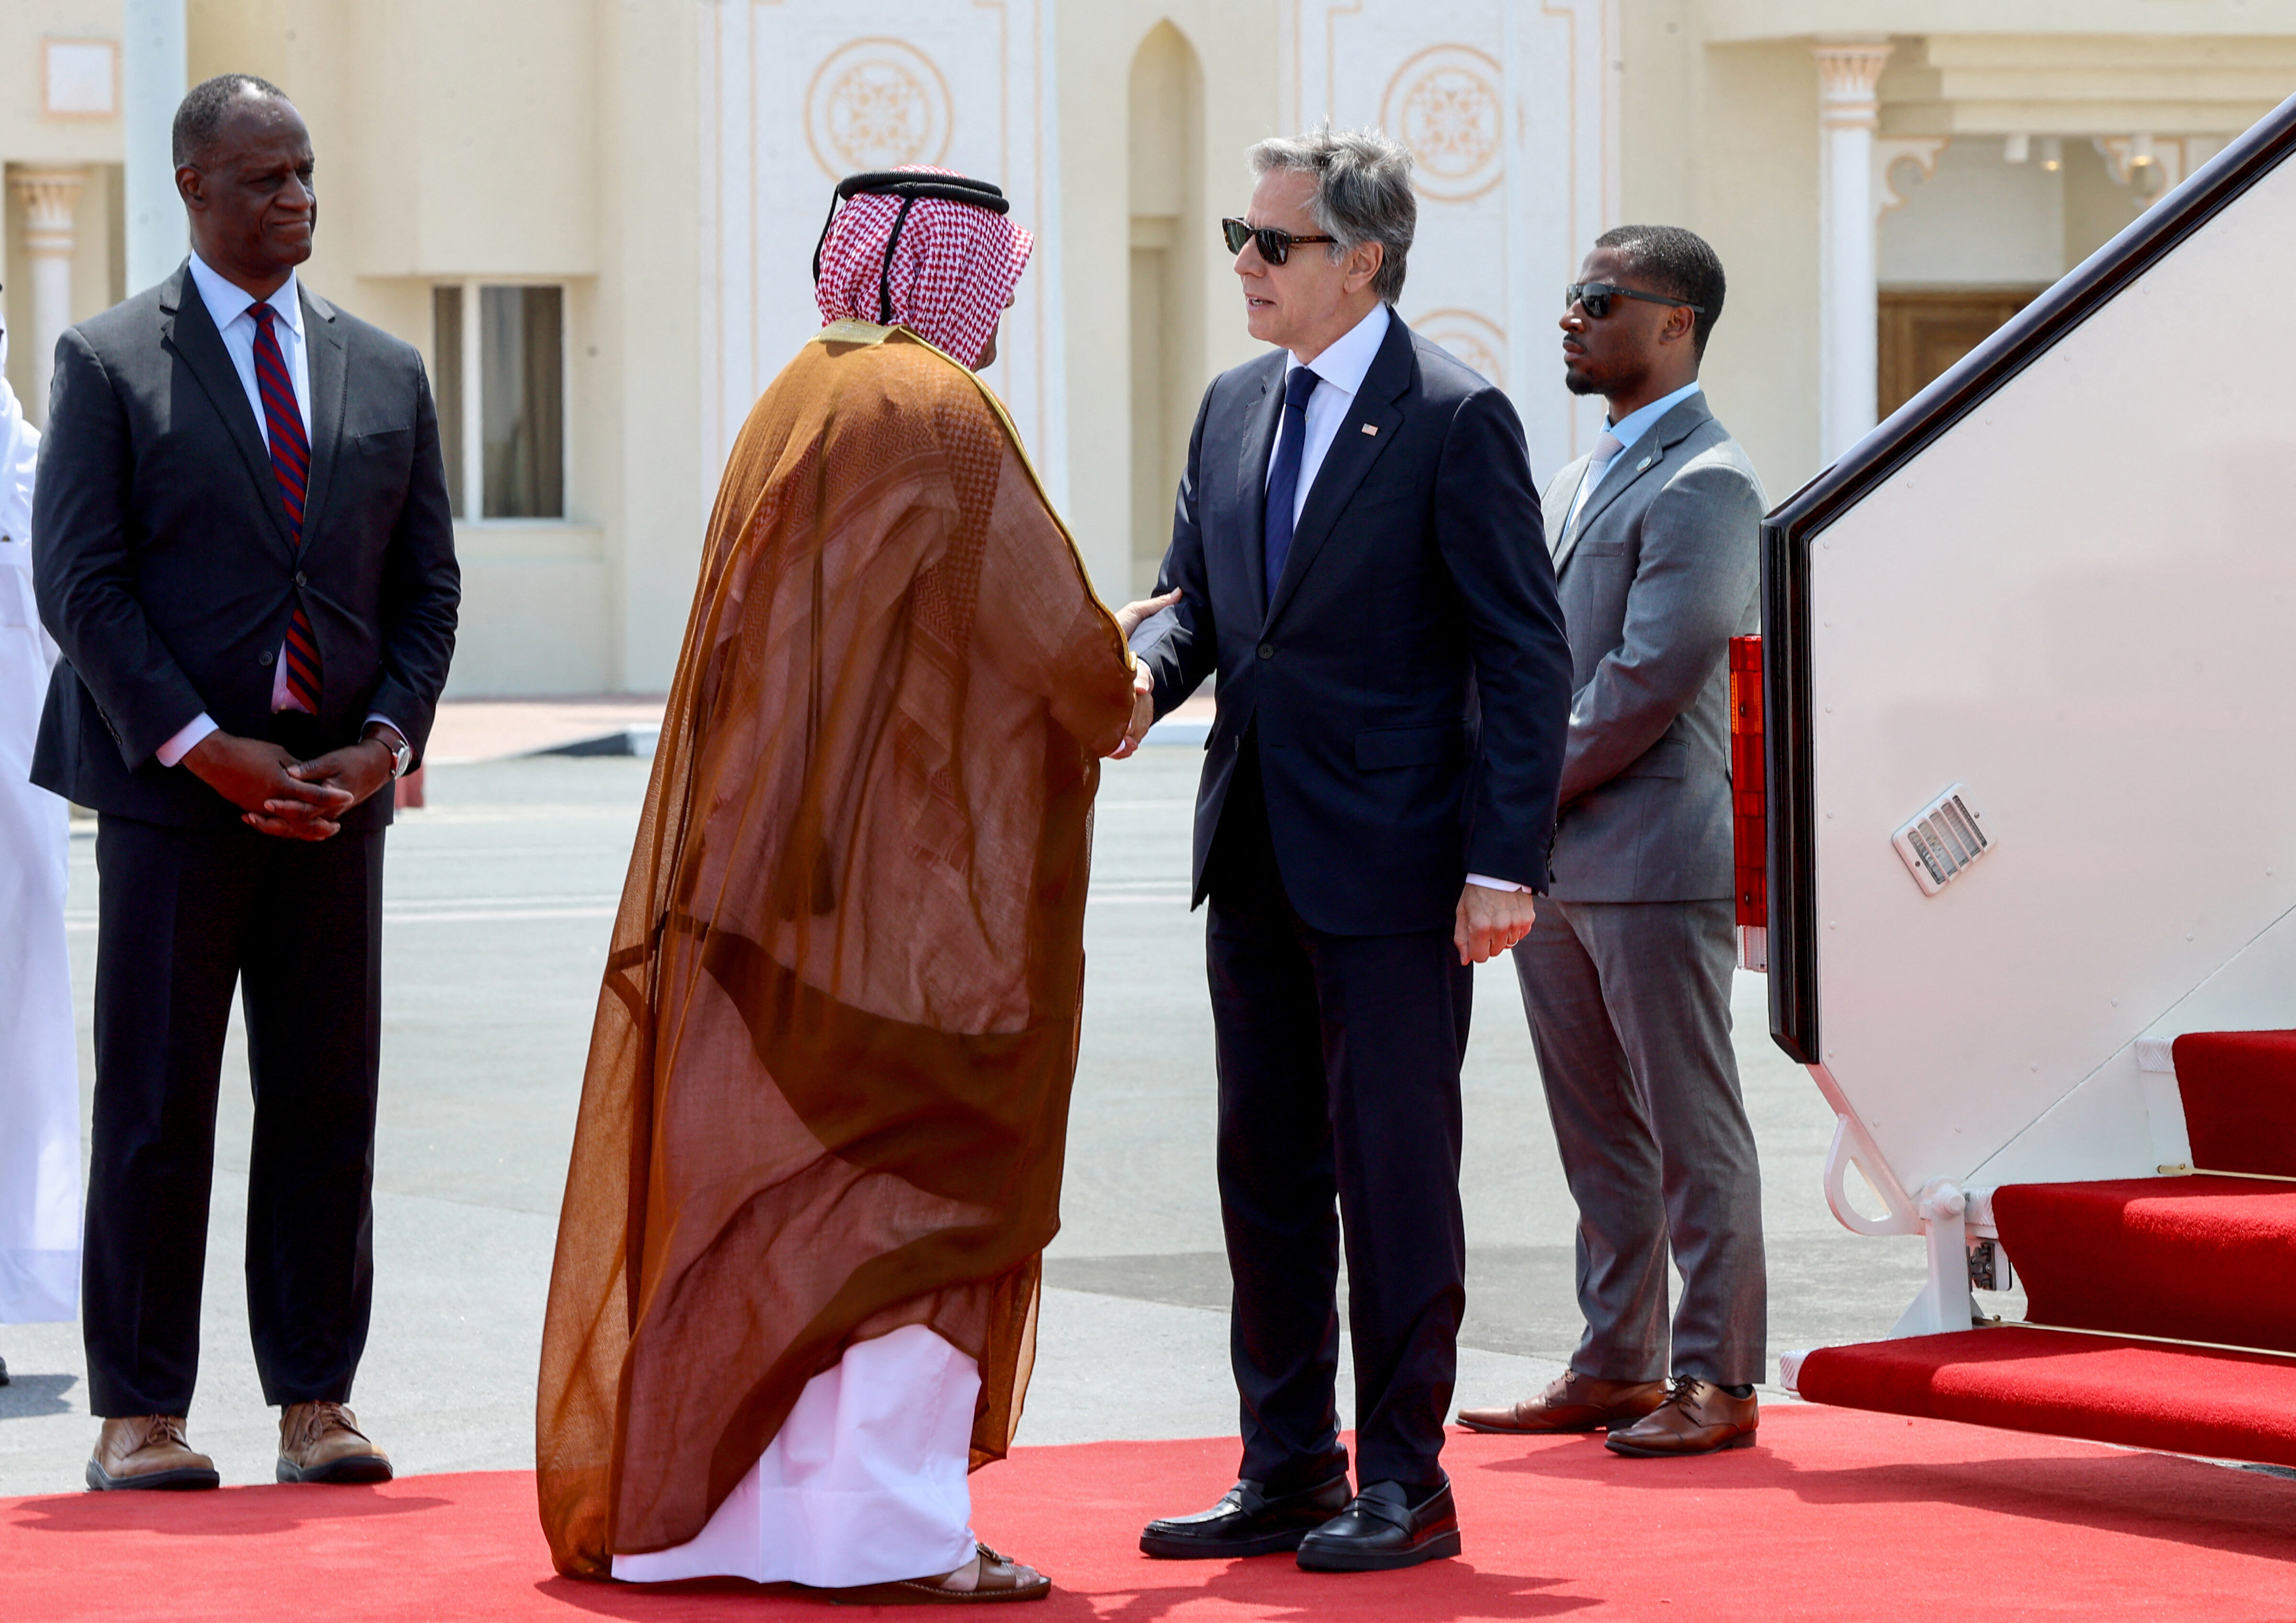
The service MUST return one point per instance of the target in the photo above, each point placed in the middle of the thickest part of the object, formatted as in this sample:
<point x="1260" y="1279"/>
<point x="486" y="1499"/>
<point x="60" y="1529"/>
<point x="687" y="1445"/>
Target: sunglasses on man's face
<point x="1275" y="244"/>
<point x="1595" y="297"/>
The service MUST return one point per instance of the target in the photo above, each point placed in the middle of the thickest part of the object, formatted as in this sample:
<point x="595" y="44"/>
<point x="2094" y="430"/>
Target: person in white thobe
<point x="39" y="1062"/>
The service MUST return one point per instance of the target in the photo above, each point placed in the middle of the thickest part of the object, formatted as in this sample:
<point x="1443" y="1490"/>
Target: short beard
<point x="1578" y="384"/>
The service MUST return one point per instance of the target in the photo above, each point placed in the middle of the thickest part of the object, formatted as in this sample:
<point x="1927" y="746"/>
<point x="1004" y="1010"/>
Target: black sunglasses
<point x="1275" y="244"/>
<point x="1597" y="297"/>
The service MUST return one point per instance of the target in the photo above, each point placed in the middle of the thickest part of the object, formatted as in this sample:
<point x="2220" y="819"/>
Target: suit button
<point x="1267" y="651"/>
<point x="298" y="577"/>
<point x="265" y="658"/>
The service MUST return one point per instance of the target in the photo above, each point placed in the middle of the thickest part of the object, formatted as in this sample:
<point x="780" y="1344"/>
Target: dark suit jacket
<point x="1661" y="572"/>
<point x="1410" y="685"/>
<point x="166" y="570"/>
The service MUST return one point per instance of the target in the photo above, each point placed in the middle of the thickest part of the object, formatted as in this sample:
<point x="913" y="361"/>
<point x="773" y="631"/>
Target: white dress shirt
<point x="1340" y="368"/>
<point x="230" y="304"/>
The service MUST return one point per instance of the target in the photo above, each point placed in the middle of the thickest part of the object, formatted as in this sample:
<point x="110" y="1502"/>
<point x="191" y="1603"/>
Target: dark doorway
<point x="1926" y="330"/>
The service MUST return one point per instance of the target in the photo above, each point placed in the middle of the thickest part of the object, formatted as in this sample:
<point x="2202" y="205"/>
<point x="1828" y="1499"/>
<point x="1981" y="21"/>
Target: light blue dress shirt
<point x="229" y="304"/>
<point x="1638" y="424"/>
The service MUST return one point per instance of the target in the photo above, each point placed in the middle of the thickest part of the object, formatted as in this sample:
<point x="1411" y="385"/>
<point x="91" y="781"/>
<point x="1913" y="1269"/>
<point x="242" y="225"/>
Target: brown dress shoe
<point x="147" y="1451"/>
<point x="1572" y="1401"/>
<point x="321" y="1442"/>
<point x="992" y="1578"/>
<point x="1698" y="1417"/>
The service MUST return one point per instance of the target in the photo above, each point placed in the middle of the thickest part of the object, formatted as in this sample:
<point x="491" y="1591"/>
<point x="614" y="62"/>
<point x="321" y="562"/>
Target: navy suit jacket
<point x="1409" y="685"/>
<point x="166" y="571"/>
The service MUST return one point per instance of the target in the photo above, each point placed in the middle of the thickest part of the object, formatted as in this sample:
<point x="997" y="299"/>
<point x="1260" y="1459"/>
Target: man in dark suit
<point x="243" y="548"/>
<point x="1358" y="547"/>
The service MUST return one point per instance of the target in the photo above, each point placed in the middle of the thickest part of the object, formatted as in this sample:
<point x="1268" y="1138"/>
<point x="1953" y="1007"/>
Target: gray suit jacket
<point x="1662" y="571"/>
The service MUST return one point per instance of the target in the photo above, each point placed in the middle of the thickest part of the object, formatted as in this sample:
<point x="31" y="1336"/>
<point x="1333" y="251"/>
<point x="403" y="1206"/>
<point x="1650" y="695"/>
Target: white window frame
<point x="473" y="408"/>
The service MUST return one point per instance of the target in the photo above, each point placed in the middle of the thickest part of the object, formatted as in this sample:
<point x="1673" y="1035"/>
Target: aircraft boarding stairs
<point x="2160" y="1312"/>
<point x="2017" y="798"/>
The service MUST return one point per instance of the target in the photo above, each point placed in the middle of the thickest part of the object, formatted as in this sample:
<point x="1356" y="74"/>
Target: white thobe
<point x="39" y="1060"/>
<point x="864" y="1484"/>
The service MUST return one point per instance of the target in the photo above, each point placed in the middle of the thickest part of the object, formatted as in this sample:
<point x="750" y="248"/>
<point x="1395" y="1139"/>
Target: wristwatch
<point x="402" y="753"/>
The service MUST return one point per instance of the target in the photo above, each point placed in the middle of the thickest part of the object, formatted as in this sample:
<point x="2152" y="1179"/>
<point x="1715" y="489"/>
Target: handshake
<point x="1130" y="620"/>
<point x="1488" y="921"/>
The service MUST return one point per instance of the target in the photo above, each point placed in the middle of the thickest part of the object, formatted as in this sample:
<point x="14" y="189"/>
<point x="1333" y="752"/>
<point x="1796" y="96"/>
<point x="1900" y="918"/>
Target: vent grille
<point x="1943" y="841"/>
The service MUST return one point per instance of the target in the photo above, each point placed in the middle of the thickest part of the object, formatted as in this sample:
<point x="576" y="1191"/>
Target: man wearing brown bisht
<point x="820" y="1145"/>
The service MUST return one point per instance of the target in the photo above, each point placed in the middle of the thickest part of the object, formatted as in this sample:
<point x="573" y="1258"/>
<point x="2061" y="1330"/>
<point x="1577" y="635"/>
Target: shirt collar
<point x="1344" y="364"/>
<point x="227" y="301"/>
<point x="1640" y="422"/>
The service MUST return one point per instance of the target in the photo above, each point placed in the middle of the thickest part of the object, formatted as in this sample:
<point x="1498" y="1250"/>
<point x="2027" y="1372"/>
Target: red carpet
<point x="2225" y="1406"/>
<point x="2196" y="1258"/>
<point x="2191" y="1259"/>
<point x="2239" y="1089"/>
<point x="1839" y="1515"/>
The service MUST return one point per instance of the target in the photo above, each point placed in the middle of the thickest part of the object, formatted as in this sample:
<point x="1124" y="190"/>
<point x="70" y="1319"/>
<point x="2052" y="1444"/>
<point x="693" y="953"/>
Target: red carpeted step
<point x="2239" y="1089"/>
<point x="2199" y="1259"/>
<point x="2222" y="1405"/>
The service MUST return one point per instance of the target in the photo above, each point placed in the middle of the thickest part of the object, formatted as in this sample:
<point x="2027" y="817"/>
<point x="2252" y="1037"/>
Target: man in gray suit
<point x="1626" y="974"/>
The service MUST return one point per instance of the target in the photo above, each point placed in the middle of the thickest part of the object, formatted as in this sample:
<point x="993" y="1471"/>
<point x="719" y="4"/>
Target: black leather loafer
<point x="1246" y="1522"/>
<point x="1381" y="1529"/>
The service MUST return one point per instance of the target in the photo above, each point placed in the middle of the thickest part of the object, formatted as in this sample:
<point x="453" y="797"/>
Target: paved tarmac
<point x="498" y="900"/>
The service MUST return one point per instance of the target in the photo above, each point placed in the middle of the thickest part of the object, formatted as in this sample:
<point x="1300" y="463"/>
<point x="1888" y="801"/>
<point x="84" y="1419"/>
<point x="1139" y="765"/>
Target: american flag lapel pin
<point x="1372" y="429"/>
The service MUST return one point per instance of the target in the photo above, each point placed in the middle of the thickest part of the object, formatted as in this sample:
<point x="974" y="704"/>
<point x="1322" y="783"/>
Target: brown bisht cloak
<point x="829" y="1081"/>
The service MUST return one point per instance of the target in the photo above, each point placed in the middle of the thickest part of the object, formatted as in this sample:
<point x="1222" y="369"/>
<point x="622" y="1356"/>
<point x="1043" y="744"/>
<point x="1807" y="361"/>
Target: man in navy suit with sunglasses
<point x="1361" y="558"/>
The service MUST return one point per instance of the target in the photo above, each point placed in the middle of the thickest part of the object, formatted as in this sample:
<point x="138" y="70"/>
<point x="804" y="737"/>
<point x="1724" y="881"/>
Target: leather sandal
<point x="997" y="1578"/>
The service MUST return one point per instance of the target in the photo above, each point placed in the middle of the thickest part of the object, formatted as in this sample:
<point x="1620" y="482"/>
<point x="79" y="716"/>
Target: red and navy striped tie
<point x="291" y="461"/>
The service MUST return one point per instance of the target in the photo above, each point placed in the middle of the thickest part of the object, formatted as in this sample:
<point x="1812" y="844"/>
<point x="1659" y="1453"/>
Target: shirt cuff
<point x="1488" y="883"/>
<point x="375" y="715"/>
<point x="172" y="752"/>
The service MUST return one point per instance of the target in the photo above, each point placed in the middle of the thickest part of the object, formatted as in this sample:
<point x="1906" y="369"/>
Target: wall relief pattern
<point x="1510" y="108"/>
<point x="794" y="95"/>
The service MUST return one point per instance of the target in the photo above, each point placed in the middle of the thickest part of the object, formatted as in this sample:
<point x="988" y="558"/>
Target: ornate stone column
<point x="50" y="197"/>
<point x="1847" y="112"/>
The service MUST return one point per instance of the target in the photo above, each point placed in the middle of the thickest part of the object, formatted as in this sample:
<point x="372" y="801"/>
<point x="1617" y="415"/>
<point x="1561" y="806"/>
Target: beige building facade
<point x="594" y="216"/>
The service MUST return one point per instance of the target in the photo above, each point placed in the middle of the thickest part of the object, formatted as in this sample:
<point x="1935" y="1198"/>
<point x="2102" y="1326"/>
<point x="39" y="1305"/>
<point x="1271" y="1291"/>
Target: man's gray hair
<point x="1362" y="192"/>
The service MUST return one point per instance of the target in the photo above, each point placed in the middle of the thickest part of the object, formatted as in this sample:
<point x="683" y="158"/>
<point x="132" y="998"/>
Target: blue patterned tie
<point x="1283" y="477"/>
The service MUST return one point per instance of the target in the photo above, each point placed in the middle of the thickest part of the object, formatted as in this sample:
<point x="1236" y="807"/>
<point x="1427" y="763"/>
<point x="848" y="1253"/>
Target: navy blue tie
<point x="1283" y="477"/>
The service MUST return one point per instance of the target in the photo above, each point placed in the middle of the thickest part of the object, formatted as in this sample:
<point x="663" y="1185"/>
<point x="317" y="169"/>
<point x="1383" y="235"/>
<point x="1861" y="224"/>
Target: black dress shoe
<point x="1381" y="1529"/>
<point x="1247" y="1523"/>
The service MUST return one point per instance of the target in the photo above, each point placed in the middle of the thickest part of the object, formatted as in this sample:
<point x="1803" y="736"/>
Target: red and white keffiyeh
<point x="954" y="269"/>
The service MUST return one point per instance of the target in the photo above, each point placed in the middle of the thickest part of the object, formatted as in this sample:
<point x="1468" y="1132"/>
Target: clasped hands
<point x="285" y="798"/>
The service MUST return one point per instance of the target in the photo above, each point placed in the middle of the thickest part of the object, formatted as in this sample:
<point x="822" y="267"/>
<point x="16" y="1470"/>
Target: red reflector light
<point x="1749" y="783"/>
